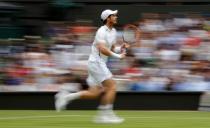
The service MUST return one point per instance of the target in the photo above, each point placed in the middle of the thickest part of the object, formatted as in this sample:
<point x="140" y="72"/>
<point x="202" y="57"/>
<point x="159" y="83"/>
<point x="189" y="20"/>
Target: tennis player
<point x="99" y="76"/>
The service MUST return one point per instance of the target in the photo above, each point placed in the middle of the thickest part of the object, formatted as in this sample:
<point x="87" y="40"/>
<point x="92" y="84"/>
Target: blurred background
<point x="45" y="44"/>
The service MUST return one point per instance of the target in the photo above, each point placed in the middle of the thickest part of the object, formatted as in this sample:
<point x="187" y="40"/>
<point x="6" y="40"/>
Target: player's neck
<point x="109" y="25"/>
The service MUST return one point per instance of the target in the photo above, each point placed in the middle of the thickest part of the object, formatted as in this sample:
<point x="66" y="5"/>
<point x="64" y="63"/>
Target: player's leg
<point x="106" y="114"/>
<point x="109" y="92"/>
<point x="92" y="93"/>
<point x="63" y="98"/>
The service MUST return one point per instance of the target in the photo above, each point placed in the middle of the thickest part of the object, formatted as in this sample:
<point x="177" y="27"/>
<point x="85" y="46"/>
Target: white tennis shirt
<point x="106" y="36"/>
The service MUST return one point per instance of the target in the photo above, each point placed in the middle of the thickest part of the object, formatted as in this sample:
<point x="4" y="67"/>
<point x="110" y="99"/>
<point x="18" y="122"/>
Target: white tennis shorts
<point x="97" y="73"/>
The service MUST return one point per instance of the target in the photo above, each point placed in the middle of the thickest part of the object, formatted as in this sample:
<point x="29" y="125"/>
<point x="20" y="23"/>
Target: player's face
<point x="113" y="18"/>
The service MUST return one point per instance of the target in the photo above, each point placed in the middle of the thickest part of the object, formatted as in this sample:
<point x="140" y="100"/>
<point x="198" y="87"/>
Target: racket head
<point x="130" y="34"/>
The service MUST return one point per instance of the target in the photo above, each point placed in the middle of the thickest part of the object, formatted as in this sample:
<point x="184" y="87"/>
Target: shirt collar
<point x="108" y="29"/>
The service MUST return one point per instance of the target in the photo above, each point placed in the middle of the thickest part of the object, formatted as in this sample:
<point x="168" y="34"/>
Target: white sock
<point x="105" y="107"/>
<point x="73" y="96"/>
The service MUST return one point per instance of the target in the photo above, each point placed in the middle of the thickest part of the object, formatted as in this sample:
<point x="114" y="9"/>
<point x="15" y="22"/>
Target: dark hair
<point x="104" y="21"/>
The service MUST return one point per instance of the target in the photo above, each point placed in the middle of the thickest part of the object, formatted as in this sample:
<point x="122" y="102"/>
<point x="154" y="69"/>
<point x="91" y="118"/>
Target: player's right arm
<point x="101" y="45"/>
<point x="104" y="50"/>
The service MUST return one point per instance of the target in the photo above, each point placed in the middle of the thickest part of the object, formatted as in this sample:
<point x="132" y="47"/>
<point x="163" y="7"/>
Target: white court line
<point x="125" y="116"/>
<point x="34" y="117"/>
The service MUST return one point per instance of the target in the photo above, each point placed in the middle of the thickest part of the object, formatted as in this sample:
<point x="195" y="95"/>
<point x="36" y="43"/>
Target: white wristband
<point x="116" y="55"/>
<point x="117" y="49"/>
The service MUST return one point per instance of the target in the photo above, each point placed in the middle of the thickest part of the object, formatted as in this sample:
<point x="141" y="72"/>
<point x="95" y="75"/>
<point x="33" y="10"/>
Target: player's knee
<point x="111" y="87"/>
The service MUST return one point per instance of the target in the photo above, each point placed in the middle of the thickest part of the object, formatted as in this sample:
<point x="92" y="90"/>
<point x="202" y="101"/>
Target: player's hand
<point x="124" y="47"/>
<point x="123" y="55"/>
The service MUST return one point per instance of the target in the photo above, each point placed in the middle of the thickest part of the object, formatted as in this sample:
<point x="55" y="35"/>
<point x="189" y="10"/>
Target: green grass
<point x="83" y="119"/>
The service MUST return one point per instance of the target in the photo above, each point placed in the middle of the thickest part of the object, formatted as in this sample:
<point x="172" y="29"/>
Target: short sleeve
<point x="100" y="36"/>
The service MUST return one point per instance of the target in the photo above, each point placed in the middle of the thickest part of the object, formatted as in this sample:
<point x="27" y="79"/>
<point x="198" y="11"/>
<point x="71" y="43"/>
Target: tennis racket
<point x="131" y="34"/>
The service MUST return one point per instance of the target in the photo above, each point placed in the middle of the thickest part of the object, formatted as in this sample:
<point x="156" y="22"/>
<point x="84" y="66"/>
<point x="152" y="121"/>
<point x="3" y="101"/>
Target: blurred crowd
<point x="173" y="54"/>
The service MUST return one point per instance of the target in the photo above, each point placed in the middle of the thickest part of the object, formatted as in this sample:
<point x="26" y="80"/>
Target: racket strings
<point x="129" y="36"/>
